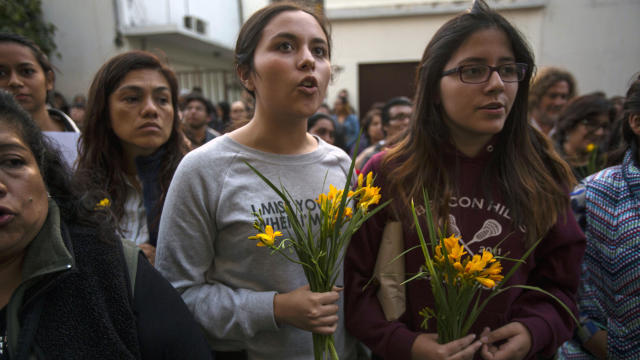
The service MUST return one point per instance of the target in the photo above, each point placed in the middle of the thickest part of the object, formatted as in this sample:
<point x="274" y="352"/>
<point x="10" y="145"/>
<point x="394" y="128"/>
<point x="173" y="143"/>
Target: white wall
<point x="85" y="37"/>
<point x="251" y="6"/>
<point x="597" y="40"/>
<point x="221" y="16"/>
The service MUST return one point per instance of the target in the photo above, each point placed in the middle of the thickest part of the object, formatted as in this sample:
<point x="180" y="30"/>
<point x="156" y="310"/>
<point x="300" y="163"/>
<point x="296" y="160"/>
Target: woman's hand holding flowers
<point x="517" y="343"/>
<point x="426" y="347"/>
<point x="307" y="310"/>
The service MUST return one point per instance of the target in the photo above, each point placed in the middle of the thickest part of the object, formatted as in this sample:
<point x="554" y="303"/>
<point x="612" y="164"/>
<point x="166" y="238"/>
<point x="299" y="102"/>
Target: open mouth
<point x="309" y="82"/>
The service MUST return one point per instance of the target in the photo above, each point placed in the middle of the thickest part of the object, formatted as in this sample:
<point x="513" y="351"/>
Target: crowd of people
<point x="133" y="242"/>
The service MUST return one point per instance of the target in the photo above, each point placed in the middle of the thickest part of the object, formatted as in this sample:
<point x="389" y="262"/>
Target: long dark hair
<point x="101" y="165"/>
<point x="629" y="138"/>
<point x="74" y="207"/>
<point x="533" y="179"/>
<point x="578" y="109"/>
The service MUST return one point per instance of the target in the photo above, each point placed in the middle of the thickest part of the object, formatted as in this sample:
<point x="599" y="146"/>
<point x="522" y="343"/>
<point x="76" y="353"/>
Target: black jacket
<point x="75" y="302"/>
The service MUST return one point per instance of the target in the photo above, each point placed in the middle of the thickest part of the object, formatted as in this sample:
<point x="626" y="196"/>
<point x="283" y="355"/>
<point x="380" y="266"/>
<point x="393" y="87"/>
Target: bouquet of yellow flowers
<point x="457" y="280"/>
<point x="320" y="252"/>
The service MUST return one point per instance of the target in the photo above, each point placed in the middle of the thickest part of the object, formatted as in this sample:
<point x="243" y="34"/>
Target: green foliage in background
<point x="24" y="17"/>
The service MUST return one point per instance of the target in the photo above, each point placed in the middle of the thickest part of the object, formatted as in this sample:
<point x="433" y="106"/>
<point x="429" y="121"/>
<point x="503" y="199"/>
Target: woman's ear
<point x="244" y="74"/>
<point x="634" y="123"/>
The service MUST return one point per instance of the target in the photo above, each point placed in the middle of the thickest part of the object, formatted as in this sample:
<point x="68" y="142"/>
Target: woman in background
<point x="68" y="287"/>
<point x="323" y="126"/>
<point x="25" y="72"/>
<point x="582" y="126"/>
<point x="131" y="145"/>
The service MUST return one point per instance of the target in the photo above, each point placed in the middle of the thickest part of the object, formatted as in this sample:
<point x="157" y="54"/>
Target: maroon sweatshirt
<point x="554" y="266"/>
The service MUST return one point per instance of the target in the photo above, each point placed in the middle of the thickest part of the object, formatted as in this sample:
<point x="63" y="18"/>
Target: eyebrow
<point x="12" y="146"/>
<point x="484" y="60"/>
<point x="22" y="64"/>
<point x="140" y="89"/>
<point x="291" y="36"/>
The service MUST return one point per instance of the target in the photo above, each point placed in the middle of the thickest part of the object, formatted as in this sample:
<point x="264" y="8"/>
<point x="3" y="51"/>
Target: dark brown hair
<point x="546" y="78"/>
<point x="532" y="178"/>
<point x="580" y="108"/>
<point x="101" y="163"/>
<point x="629" y="138"/>
<point x="251" y="32"/>
<point x="74" y="207"/>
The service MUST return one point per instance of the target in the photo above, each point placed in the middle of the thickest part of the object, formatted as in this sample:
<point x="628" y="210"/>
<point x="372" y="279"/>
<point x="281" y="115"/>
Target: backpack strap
<point x="131" y="252"/>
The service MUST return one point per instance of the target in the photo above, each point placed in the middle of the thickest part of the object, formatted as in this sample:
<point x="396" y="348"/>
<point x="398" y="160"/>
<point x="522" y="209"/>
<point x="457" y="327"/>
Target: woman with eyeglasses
<point x="493" y="180"/>
<point x="582" y="126"/>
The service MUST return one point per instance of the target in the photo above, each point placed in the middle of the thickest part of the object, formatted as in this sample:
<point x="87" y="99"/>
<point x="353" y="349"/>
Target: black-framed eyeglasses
<point x="480" y="73"/>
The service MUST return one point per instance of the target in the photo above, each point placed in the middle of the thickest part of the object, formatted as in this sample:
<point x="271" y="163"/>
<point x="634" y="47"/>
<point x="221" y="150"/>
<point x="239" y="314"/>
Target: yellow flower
<point x="267" y="238"/>
<point x="493" y="272"/>
<point x="360" y="180"/>
<point x="370" y="196"/>
<point x="474" y="265"/>
<point x="369" y="179"/>
<point x="487" y="257"/>
<point x="333" y="192"/>
<point x="439" y="257"/>
<point x="104" y="203"/>
<point x="454" y="249"/>
<point x="458" y="266"/>
<point x="486" y="282"/>
<point x="591" y="147"/>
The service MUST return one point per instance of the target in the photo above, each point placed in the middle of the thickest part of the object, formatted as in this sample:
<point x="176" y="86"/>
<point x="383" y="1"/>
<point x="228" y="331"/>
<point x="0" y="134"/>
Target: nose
<point x="14" y="80"/>
<point x="559" y="101"/>
<point x="495" y="83"/>
<point x="149" y="108"/>
<point x="599" y="131"/>
<point x="307" y="61"/>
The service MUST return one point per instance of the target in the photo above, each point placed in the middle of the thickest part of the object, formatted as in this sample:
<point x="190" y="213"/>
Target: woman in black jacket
<point x="66" y="289"/>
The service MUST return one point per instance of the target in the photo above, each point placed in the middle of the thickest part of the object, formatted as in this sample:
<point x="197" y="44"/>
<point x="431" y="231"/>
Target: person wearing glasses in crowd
<point x="550" y="91"/>
<point x="395" y="121"/>
<point x="470" y="146"/>
<point x="582" y="126"/>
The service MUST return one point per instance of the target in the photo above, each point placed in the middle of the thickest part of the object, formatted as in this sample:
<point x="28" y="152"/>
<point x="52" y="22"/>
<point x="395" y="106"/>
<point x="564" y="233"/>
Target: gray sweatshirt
<point x="228" y="282"/>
